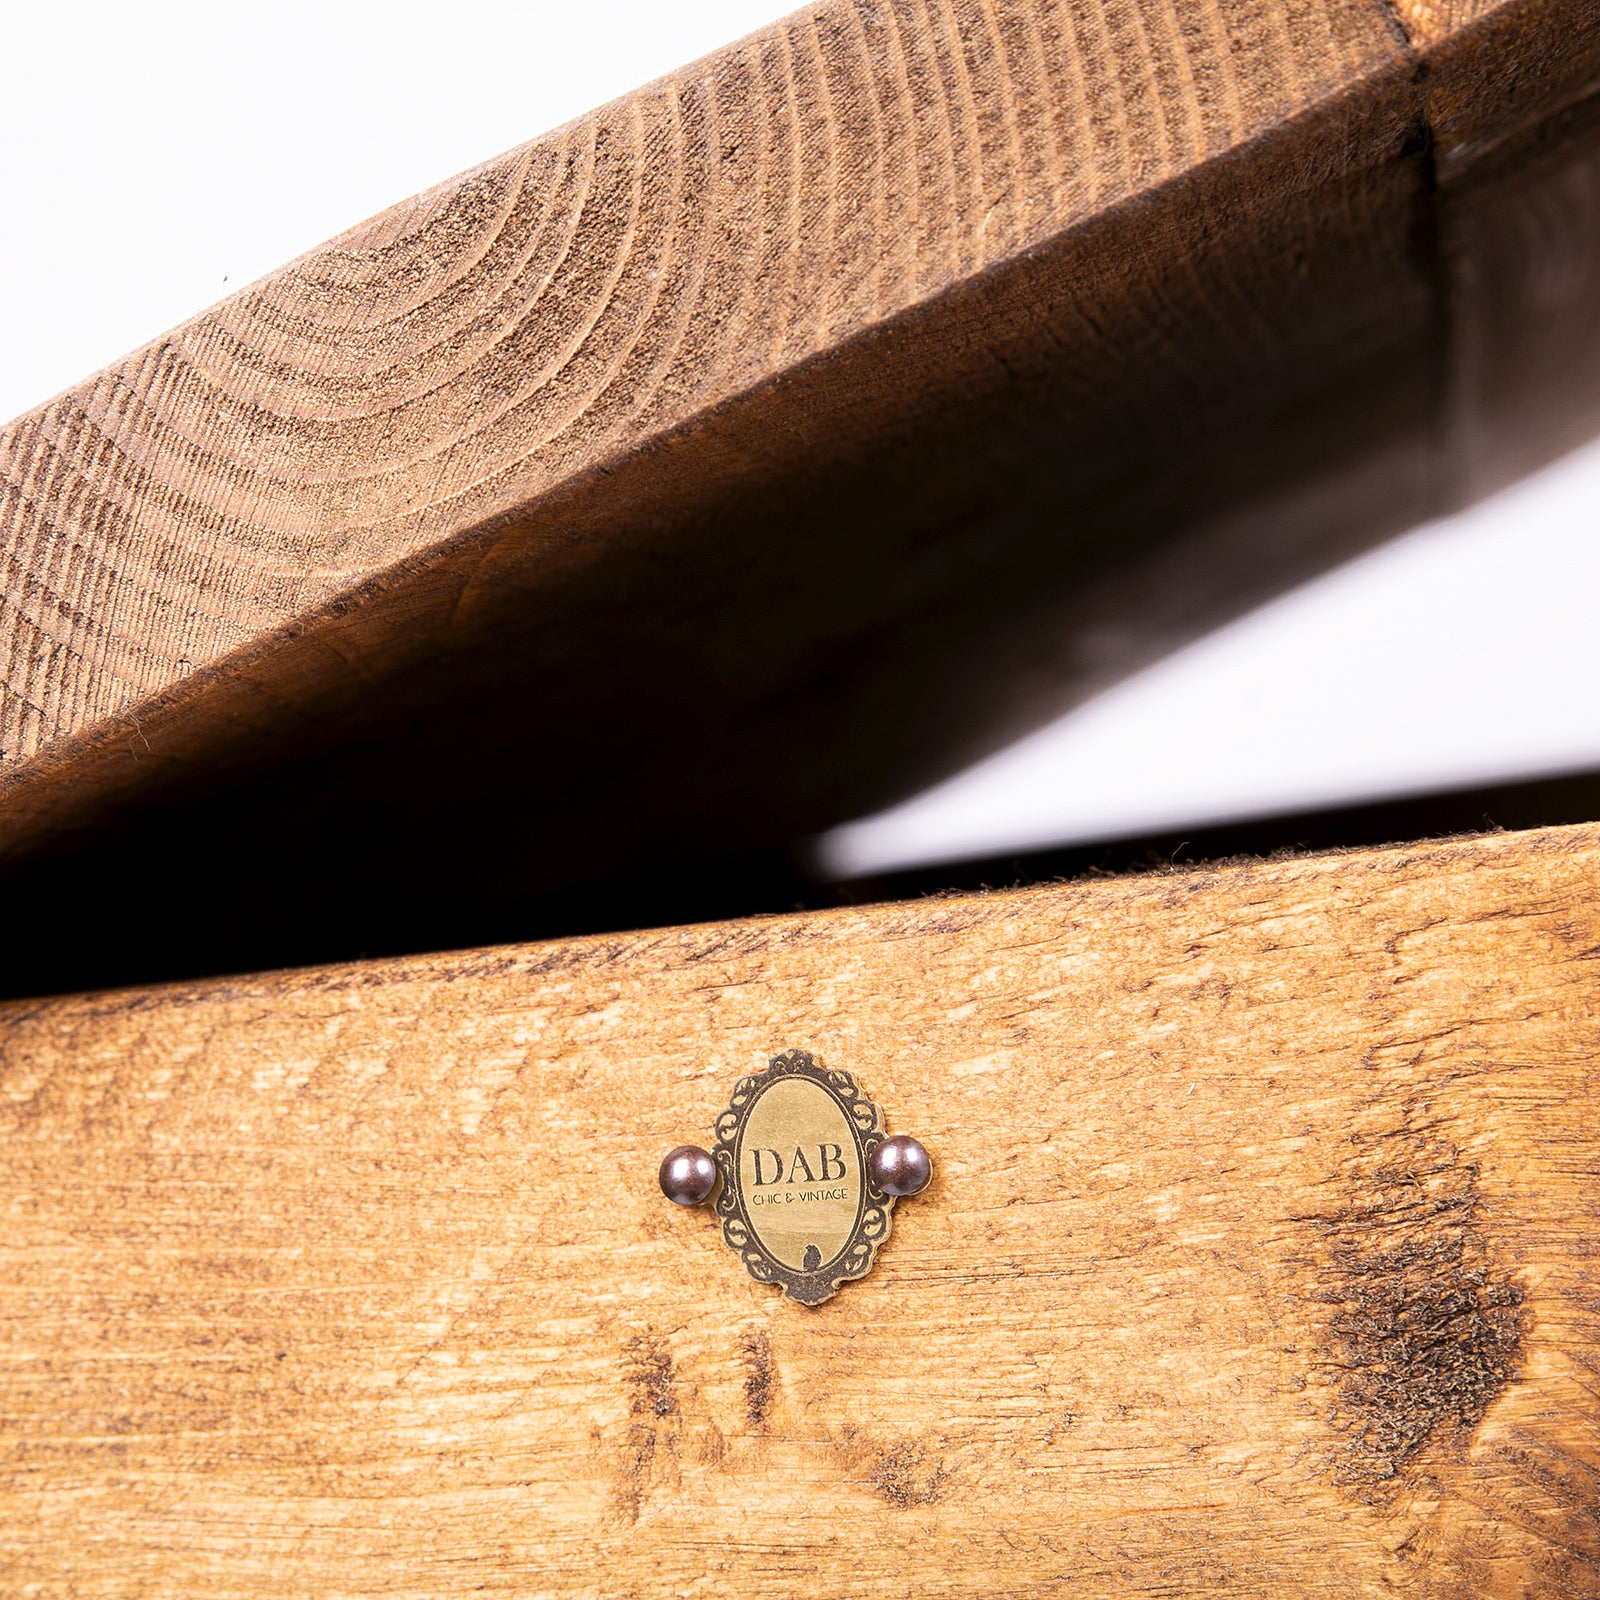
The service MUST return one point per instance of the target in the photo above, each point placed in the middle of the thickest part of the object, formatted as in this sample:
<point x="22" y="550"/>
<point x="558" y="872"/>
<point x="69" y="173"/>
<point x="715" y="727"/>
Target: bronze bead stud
<point x="688" y="1175"/>
<point x="900" y="1166"/>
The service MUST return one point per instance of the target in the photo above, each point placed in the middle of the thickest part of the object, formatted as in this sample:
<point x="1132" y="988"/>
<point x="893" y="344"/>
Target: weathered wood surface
<point x="871" y="389"/>
<point x="1260" y="1260"/>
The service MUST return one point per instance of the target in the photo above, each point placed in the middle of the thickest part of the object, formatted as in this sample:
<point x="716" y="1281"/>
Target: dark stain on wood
<point x="761" y="1377"/>
<point x="902" y="1477"/>
<point x="652" y="1389"/>
<point x="903" y="1473"/>
<point x="1422" y="1330"/>
<point x="635" y="1479"/>
<point x="652" y="1397"/>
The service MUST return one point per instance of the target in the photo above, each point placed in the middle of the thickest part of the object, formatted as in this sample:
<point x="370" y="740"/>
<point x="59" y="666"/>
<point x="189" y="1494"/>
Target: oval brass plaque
<point x="797" y="1200"/>
<point x="800" y="1174"/>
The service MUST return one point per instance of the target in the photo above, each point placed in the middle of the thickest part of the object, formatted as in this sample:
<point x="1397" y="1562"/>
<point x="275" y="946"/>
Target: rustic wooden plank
<point x="1260" y="1258"/>
<point x="871" y="390"/>
<point x="463" y="355"/>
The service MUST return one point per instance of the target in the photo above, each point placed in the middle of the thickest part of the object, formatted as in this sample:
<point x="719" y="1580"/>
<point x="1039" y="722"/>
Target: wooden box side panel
<point x="1259" y="1259"/>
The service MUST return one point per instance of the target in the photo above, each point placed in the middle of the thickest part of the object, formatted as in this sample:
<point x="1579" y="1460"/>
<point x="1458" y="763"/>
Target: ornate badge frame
<point x="874" y="1212"/>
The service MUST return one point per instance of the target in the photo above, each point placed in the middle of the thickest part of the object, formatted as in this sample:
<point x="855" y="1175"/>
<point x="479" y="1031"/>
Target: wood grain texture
<point x="1260" y="1259"/>
<point x="459" y="357"/>
<point x="749" y="452"/>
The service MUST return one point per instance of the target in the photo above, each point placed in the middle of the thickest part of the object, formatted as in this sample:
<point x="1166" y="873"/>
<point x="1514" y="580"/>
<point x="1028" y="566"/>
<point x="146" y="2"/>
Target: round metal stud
<point x="688" y="1175"/>
<point x="900" y="1166"/>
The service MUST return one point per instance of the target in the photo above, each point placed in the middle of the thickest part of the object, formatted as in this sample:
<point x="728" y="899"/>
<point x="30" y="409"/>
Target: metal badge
<point x="805" y="1177"/>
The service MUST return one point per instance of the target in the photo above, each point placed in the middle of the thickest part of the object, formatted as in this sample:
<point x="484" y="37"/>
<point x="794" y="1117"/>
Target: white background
<point x="1466" y="652"/>
<point x="161" y="156"/>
